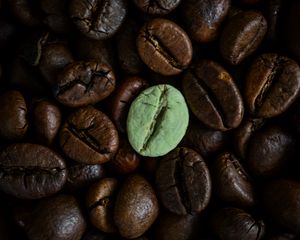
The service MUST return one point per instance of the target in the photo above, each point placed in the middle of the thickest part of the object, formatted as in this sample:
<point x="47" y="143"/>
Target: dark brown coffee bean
<point x="157" y="7"/>
<point x="98" y="19"/>
<point x="242" y="35"/>
<point x="55" y="218"/>
<point x="272" y="85"/>
<point x="122" y="98"/>
<point x="100" y="203"/>
<point x="31" y="171"/>
<point x="82" y="175"/>
<point x="89" y="137"/>
<point x="213" y="96"/>
<point x="136" y="206"/>
<point x="54" y="58"/>
<point x="231" y="182"/>
<point x="13" y="119"/>
<point x="164" y="47"/>
<point x="183" y="182"/>
<point x="236" y="224"/>
<point x="84" y="83"/>
<point x="47" y="120"/>
<point x="281" y="200"/>
<point x="283" y="236"/>
<point x="203" y="18"/>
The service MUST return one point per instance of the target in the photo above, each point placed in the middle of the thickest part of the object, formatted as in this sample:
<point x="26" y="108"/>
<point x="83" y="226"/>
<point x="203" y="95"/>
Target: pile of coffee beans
<point x="149" y="119"/>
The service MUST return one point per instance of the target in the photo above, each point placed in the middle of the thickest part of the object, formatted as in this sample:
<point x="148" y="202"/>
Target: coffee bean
<point x="242" y="35"/>
<point x="100" y="202"/>
<point x="13" y="116"/>
<point x="136" y="207"/>
<point x="203" y="18"/>
<point x="281" y="200"/>
<point x="157" y="7"/>
<point x="31" y="171"/>
<point x="98" y="19"/>
<point x="213" y="96"/>
<point x="183" y="182"/>
<point x="89" y="137"/>
<point x="55" y="218"/>
<point x="231" y="182"/>
<point x="164" y="47"/>
<point x="236" y="224"/>
<point x="157" y="120"/>
<point x="272" y="85"/>
<point x="122" y="99"/>
<point x="84" y="83"/>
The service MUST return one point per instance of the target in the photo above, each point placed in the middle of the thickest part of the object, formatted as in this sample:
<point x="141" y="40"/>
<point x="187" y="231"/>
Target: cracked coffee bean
<point x="213" y="96"/>
<point x="235" y="224"/>
<point x="231" y="182"/>
<point x="88" y="136"/>
<point x="98" y="19"/>
<point x="84" y="83"/>
<point x="183" y="182"/>
<point x="157" y="120"/>
<point x="272" y="85"/>
<point x="100" y="201"/>
<point x="157" y="7"/>
<point x="136" y="206"/>
<point x="13" y="116"/>
<point x="164" y="47"/>
<point x="203" y="18"/>
<point x="242" y="35"/>
<point x="31" y="171"/>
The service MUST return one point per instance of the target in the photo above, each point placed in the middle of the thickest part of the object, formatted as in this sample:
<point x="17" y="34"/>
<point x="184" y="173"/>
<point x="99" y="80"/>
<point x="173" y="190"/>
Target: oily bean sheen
<point x="164" y="47"/>
<point x="84" y="83"/>
<point x="136" y="207"/>
<point x="213" y="96"/>
<point x="203" y="18"/>
<point x="13" y="119"/>
<point x="281" y="200"/>
<point x="231" y="182"/>
<point x="242" y="35"/>
<point x="157" y="7"/>
<point x="272" y="85"/>
<point x="183" y="182"/>
<point x="89" y="137"/>
<point x="98" y="19"/>
<point x="236" y="224"/>
<point x="31" y="171"/>
<point x="55" y="218"/>
<point x="99" y="201"/>
<point x="157" y="120"/>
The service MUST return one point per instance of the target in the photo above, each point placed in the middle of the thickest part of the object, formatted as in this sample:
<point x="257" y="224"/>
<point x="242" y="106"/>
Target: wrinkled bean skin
<point x="158" y="7"/>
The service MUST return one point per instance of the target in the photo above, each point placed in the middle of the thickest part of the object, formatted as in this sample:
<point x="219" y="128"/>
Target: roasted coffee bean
<point x="100" y="203"/>
<point x="47" y="120"/>
<point x="31" y="171"/>
<point x="242" y="35"/>
<point x="123" y="97"/>
<point x="213" y="96"/>
<point x="82" y="175"/>
<point x="283" y="236"/>
<point x="231" y="182"/>
<point x="236" y="224"/>
<point x="272" y="85"/>
<point x="183" y="182"/>
<point x="136" y="206"/>
<point x="164" y="47"/>
<point x="84" y="83"/>
<point x="157" y="7"/>
<point x="98" y="19"/>
<point x="55" y="218"/>
<point x="13" y="116"/>
<point x="203" y="18"/>
<point x="281" y="200"/>
<point x="89" y="137"/>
